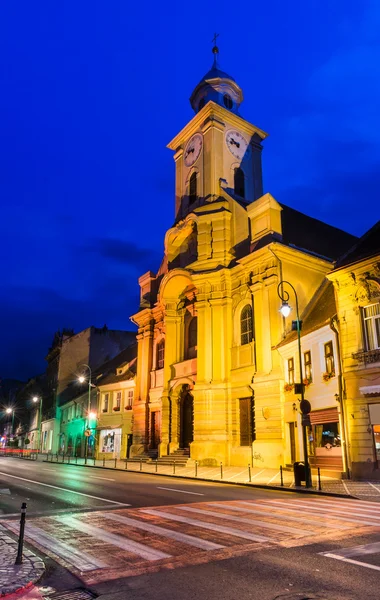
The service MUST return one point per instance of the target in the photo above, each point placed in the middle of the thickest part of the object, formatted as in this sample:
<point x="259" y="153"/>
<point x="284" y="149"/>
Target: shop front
<point x="324" y="440"/>
<point x="110" y="442"/>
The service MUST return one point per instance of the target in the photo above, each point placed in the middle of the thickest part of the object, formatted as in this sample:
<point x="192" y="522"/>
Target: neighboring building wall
<point x="114" y="427"/>
<point x="74" y="422"/>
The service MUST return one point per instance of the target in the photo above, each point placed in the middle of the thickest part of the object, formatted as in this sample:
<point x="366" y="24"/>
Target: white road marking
<point x="76" y="557"/>
<point x="345" y="554"/>
<point x="261" y="509"/>
<point x="116" y="540"/>
<point x="54" y="511"/>
<point x="106" y="478"/>
<point x="182" y="491"/>
<point x="169" y="533"/>
<point x="347" y="506"/>
<point x="275" y="526"/>
<point x="346" y="488"/>
<point x="257" y="474"/>
<point x="237" y="475"/>
<point x="56" y="487"/>
<point x="337" y="510"/>
<point x="273" y="478"/>
<point x="376" y="488"/>
<point x="203" y="524"/>
<point x="326" y="512"/>
<point x="353" y="562"/>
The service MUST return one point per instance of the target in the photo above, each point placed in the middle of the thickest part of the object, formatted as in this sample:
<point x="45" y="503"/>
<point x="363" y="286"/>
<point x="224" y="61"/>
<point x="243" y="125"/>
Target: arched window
<point x="246" y="325"/>
<point x="192" y="338"/>
<point x="160" y="354"/>
<point x="193" y="188"/>
<point x="239" y="185"/>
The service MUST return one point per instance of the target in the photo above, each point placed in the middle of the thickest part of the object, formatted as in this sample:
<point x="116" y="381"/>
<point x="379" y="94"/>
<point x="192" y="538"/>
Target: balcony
<point x="157" y="378"/>
<point x="184" y="368"/>
<point x="367" y="357"/>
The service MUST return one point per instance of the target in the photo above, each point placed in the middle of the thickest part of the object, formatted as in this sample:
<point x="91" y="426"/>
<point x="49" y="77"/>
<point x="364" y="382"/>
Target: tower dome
<point x="217" y="86"/>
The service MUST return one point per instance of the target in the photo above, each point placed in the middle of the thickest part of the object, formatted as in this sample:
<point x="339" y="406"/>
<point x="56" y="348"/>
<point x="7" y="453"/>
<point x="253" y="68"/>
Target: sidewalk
<point x="255" y="476"/>
<point x="16" y="578"/>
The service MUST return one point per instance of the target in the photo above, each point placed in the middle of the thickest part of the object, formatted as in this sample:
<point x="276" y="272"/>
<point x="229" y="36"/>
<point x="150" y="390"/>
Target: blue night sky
<point x="92" y="91"/>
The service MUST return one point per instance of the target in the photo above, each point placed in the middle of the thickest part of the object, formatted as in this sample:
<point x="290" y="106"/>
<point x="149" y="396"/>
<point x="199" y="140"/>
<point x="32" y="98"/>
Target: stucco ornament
<point x="368" y="289"/>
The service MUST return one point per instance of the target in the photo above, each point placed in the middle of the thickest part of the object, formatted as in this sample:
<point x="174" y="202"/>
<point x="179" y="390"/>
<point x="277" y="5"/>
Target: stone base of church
<point x="137" y="450"/>
<point x="268" y="454"/>
<point x="209" y="454"/>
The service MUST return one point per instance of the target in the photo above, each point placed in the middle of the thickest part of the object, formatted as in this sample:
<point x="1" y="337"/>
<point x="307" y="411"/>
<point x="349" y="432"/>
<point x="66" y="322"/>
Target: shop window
<point x="192" y="338"/>
<point x="376" y="439"/>
<point x="308" y="366"/>
<point x="371" y="319"/>
<point x="110" y="440"/>
<point x="247" y="422"/>
<point x="160" y="354"/>
<point x="239" y="183"/>
<point x="106" y="399"/>
<point x="246" y="325"/>
<point x="329" y="359"/>
<point x="291" y="371"/>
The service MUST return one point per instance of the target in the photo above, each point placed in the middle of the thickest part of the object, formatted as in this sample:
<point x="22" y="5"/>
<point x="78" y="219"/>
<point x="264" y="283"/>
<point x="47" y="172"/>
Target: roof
<point x="308" y="233"/>
<point x="318" y="312"/>
<point x="215" y="73"/>
<point x="368" y="245"/>
<point x="107" y="373"/>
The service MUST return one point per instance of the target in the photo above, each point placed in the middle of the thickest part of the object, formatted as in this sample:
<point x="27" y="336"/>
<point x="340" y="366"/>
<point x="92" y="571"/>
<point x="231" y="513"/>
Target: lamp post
<point x="39" y="422"/>
<point x="9" y="411"/>
<point x="285" y="311"/>
<point x="82" y="379"/>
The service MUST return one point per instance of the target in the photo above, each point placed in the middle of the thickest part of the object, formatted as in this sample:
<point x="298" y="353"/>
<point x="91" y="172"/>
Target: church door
<point x="187" y="420"/>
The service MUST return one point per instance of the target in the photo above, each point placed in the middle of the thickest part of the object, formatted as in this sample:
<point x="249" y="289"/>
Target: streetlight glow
<point x="92" y="415"/>
<point x="8" y="411"/>
<point x="35" y="399"/>
<point x="285" y="309"/>
<point x="81" y="379"/>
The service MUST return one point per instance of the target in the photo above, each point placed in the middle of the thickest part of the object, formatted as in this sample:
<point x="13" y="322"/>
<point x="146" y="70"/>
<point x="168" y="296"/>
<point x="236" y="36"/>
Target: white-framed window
<point x="291" y="371"/>
<point x="117" y="401"/>
<point x="308" y="366"/>
<point x="130" y="395"/>
<point x="106" y="400"/>
<point x="329" y="359"/>
<point x="246" y="325"/>
<point x="371" y="319"/>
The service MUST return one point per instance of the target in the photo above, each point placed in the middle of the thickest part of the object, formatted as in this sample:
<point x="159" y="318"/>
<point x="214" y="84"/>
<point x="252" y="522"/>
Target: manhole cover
<point x="71" y="595"/>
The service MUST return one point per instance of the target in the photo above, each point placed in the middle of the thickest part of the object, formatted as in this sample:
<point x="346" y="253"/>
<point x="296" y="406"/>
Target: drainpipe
<point x="334" y="324"/>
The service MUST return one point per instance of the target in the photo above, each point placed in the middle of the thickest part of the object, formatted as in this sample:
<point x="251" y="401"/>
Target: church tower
<point x="217" y="148"/>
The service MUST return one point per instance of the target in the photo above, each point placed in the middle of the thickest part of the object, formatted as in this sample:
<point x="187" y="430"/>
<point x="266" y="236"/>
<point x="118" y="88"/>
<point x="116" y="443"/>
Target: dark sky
<point x="92" y="91"/>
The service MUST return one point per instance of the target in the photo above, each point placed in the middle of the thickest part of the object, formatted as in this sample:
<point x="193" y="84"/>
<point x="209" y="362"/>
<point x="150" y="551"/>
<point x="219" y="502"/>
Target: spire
<point x="215" y="50"/>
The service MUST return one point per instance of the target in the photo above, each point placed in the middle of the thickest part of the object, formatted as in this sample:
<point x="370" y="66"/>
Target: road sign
<point x="305" y="421"/>
<point x="305" y="406"/>
<point x="87" y="432"/>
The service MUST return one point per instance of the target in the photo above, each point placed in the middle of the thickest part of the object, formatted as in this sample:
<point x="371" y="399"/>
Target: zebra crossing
<point x="100" y="545"/>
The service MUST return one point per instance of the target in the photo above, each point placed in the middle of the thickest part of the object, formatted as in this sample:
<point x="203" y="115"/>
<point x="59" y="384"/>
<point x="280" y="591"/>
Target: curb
<point x="278" y="488"/>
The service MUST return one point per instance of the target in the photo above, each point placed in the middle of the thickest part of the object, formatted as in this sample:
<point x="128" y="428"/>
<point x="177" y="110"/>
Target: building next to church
<point x="209" y="378"/>
<point x="356" y="279"/>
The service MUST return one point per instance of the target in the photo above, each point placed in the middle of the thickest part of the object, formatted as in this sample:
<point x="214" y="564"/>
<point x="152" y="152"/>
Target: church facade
<point x="209" y="377"/>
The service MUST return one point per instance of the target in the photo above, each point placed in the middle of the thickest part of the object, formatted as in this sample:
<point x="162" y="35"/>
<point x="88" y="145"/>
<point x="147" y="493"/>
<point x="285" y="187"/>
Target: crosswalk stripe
<point x="261" y="509"/>
<point x="174" y="535"/>
<point x="326" y="512"/>
<point x="274" y="526"/>
<point x="79" y="559"/>
<point x="213" y="526"/>
<point x="347" y="506"/>
<point x="111" y="538"/>
<point x="352" y="561"/>
<point x="329" y="509"/>
<point x="362" y="550"/>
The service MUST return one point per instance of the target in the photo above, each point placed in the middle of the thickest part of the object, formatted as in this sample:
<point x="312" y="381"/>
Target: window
<point x="130" y="399"/>
<point x="192" y="335"/>
<point x="371" y="318"/>
<point x="193" y="188"/>
<point x="106" y="398"/>
<point x="117" y="401"/>
<point x="79" y="411"/>
<point x="227" y="101"/>
<point x="201" y="104"/>
<point x="329" y="359"/>
<point x="291" y="371"/>
<point x="239" y="184"/>
<point x="308" y="367"/>
<point x="246" y="325"/>
<point x="160" y="354"/>
<point x="247" y="421"/>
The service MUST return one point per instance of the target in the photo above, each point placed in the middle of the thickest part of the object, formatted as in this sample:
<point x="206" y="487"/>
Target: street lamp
<point x="90" y="415"/>
<point x="285" y="311"/>
<point x="39" y="424"/>
<point x="9" y="411"/>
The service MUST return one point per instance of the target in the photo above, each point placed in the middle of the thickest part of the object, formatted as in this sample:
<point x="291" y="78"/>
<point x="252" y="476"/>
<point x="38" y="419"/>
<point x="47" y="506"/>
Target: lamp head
<point x="81" y="379"/>
<point x="285" y="309"/>
<point x="8" y="411"/>
<point x="35" y="398"/>
<point x="92" y="415"/>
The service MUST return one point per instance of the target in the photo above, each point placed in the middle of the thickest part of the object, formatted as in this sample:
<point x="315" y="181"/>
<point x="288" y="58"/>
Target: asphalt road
<point x="290" y="567"/>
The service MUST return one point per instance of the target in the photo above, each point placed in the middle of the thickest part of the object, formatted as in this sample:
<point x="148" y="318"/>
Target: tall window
<point x="239" y="185"/>
<point x="246" y="325"/>
<point x="192" y="335"/>
<point x="160" y="354"/>
<point x="371" y="318"/>
<point x="106" y="398"/>
<point x="291" y="371"/>
<point x="193" y="188"/>
<point x="247" y="421"/>
<point x="118" y="400"/>
<point x="130" y="399"/>
<point x="329" y="358"/>
<point x="308" y="366"/>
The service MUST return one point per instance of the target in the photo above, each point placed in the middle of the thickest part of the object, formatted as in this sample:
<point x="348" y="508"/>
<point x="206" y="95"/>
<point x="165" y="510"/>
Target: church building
<point x="210" y="380"/>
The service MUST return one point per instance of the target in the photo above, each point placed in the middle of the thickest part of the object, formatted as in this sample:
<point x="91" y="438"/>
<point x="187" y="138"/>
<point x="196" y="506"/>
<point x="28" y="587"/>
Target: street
<point x="123" y="534"/>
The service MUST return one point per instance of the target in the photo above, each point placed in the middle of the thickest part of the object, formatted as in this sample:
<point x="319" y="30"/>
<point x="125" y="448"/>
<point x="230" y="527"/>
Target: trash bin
<point x="299" y="473"/>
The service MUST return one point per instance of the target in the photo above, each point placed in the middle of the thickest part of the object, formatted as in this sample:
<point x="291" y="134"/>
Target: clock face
<point x="237" y="144"/>
<point x="193" y="149"/>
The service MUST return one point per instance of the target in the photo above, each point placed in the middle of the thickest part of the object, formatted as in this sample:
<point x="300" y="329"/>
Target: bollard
<point x="85" y="459"/>
<point x="68" y="458"/>
<point x="174" y="468"/>
<point x="140" y="464"/>
<point x="104" y="461"/>
<point x="21" y="534"/>
<point x="281" y="477"/>
<point x="319" y="480"/>
<point x="221" y="470"/>
<point x="57" y="456"/>
<point x="156" y="465"/>
<point x="63" y="457"/>
<point x="196" y="468"/>
<point x="115" y="461"/>
<point x="249" y="473"/>
<point x="76" y="459"/>
<point x="126" y="464"/>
